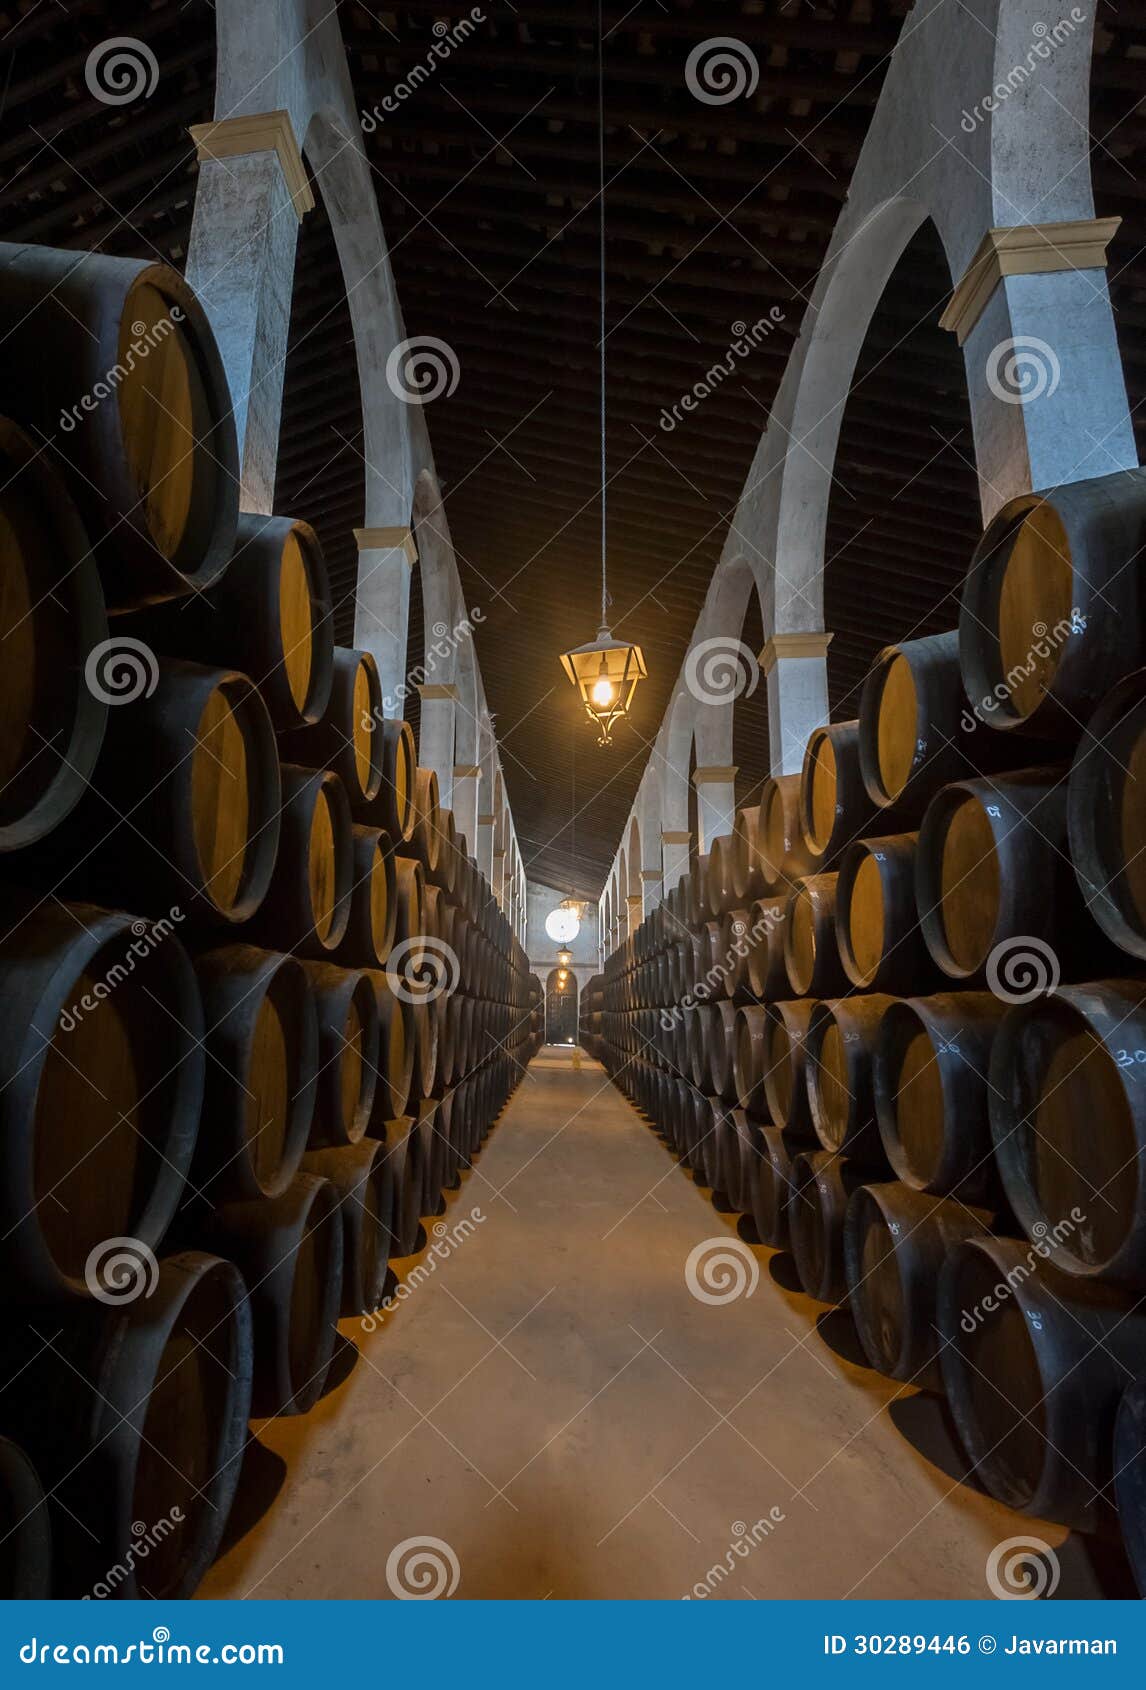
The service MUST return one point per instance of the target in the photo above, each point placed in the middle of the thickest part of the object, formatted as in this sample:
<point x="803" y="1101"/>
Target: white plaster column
<point x="716" y="802"/>
<point x="651" y="879"/>
<point x="498" y="881"/>
<point x="634" y="904"/>
<point x="674" y="847"/>
<point x="251" y="196"/>
<point x="466" y="779"/>
<point x="484" y="852"/>
<point x="796" y="668"/>
<point x="1044" y="376"/>
<point x="382" y="607"/>
<point x="436" y="735"/>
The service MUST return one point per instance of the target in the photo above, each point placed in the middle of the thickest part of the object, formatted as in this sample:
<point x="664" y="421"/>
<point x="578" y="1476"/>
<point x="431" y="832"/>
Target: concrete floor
<point x="557" y="1407"/>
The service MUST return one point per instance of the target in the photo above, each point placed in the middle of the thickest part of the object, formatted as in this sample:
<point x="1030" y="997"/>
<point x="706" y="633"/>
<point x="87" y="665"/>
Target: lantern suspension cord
<point x="601" y="140"/>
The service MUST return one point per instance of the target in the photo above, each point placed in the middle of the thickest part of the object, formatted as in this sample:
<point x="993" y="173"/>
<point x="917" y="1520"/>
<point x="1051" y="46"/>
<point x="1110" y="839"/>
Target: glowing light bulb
<point x="602" y="693"/>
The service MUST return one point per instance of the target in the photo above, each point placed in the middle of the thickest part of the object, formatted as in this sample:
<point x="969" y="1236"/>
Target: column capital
<point x="792" y="645"/>
<point x="710" y="776"/>
<point x="652" y="874"/>
<point x="485" y="821"/>
<point x="387" y="540"/>
<point x="466" y="771"/>
<point x="437" y="689"/>
<point x="258" y="132"/>
<point x="1025" y="249"/>
<point x="675" y="838"/>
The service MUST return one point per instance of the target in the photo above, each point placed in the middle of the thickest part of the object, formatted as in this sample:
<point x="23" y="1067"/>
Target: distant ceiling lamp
<point x="564" y="957"/>
<point x="605" y="671"/>
<point x="577" y="905"/>
<point x="562" y="926"/>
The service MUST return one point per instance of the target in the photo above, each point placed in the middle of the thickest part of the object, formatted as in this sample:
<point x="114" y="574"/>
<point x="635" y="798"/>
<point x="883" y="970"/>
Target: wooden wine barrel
<point x="1130" y="1476"/>
<point x="115" y="360"/>
<point x="841" y="1043"/>
<point x="766" y="974"/>
<point x="771" y="1187"/>
<point x="363" y="1178"/>
<point x="1051" y="613"/>
<point x="785" y="1086"/>
<point x="720" y="875"/>
<point x="781" y="852"/>
<point x="725" y="1181"/>
<point x="930" y="1077"/>
<point x="434" y="1124"/>
<point x="51" y="619"/>
<point x="101" y="1084"/>
<point x="406" y="1153"/>
<point x="1106" y="812"/>
<point x="369" y="936"/>
<point x="261" y="1073"/>
<point x="916" y="730"/>
<point x="747" y="881"/>
<point x="25" y="1529"/>
<point x="448" y="854"/>
<point x="750" y="1060"/>
<point x="289" y="1251"/>
<point x="1067" y="1105"/>
<point x="811" y="954"/>
<point x="347" y="737"/>
<point x="307" y="907"/>
<point x="393" y="808"/>
<point x="348" y="1052"/>
<point x="183" y="808"/>
<point x="877" y="923"/>
<point x="1034" y="1366"/>
<point x="409" y="927"/>
<point x="895" y="1243"/>
<point x="138" y="1413"/>
<point x="723" y="1031"/>
<point x="425" y="1026"/>
<point x="395" y="1055"/>
<point x="426" y="838"/>
<point x="822" y="1185"/>
<point x="834" y="807"/>
<point x="268" y="615"/>
<point x="992" y="872"/>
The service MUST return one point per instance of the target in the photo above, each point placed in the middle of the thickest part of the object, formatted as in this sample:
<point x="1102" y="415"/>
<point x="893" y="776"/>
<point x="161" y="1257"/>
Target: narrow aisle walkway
<point x="554" y="1404"/>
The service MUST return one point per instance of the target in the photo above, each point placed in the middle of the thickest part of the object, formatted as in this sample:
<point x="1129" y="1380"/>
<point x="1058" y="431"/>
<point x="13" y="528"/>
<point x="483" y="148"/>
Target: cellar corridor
<point x="556" y="1407"/>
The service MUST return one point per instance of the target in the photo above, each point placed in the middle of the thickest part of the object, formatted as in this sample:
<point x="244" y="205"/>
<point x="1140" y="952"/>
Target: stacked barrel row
<point x="897" y="1018"/>
<point x="589" y="1014"/>
<point x="261" y="1008"/>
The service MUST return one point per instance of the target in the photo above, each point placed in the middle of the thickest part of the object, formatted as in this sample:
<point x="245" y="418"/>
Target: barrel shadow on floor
<point x="260" y="1481"/>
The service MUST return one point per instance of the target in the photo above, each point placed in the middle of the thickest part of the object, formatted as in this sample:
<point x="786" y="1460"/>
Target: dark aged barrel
<point x="785" y="1087"/>
<point x="811" y="954"/>
<point x="348" y="1040"/>
<point x="434" y="1128"/>
<point x="115" y="361"/>
<point x="369" y="936"/>
<point x="895" y="1244"/>
<point x="842" y="1037"/>
<point x="268" y="615"/>
<point x="393" y="809"/>
<point x="720" y="878"/>
<point x="307" y="907"/>
<point x="780" y="848"/>
<point x="822" y="1184"/>
<point x="1035" y="1365"/>
<point x="771" y="1188"/>
<point x="747" y="881"/>
<point x="51" y="619"/>
<point x="183" y="808"/>
<point x="750" y="1060"/>
<point x="1106" y="808"/>
<point x="1068" y="1119"/>
<point x="833" y="804"/>
<point x="25" y="1529"/>
<point x="363" y="1178"/>
<point x="148" y="1422"/>
<point x="1052" y="604"/>
<point x="289" y="1251"/>
<point x="405" y="1152"/>
<point x="101" y="1083"/>
<point x="1130" y="1476"/>
<point x="915" y="727"/>
<point x="877" y="926"/>
<point x="409" y="928"/>
<point x="930" y="1075"/>
<point x="261" y="1074"/>
<point x="992" y="868"/>
<point x="722" y="1061"/>
<point x="425" y="1047"/>
<point x="725" y="1170"/>
<point x="426" y="839"/>
<point x="766" y="974"/>
<point x="346" y="738"/>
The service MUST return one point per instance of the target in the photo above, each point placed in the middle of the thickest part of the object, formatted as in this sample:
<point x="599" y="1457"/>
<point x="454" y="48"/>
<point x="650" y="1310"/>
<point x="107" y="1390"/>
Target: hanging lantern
<point x="606" y="672"/>
<point x="564" y="958"/>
